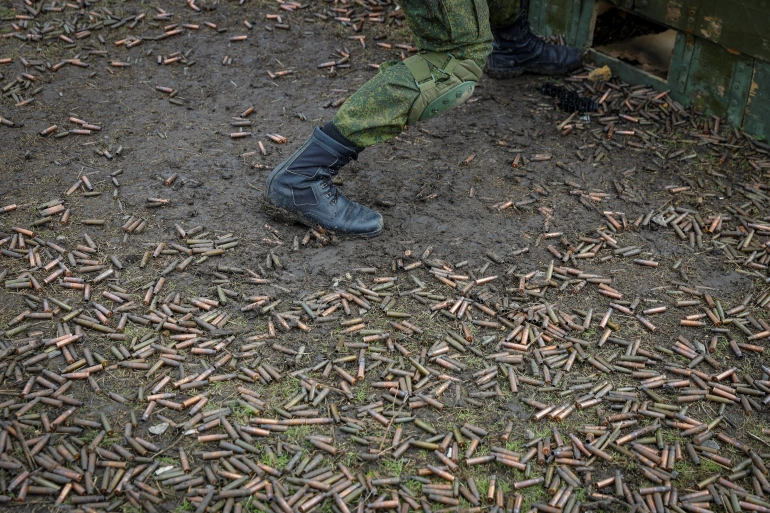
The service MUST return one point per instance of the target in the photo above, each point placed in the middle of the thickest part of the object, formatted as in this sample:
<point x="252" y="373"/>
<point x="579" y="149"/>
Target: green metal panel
<point x="584" y="28"/>
<point x="535" y="17"/>
<point x="630" y="74"/>
<point x="713" y="79"/>
<point x="548" y="17"/>
<point x="757" y="116"/>
<point x="721" y="58"/>
<point x="741" y="25"/>
<point x="574" y="22"/>
<point x="680" y="62"/>
<point x="703" y="75"/>
<point x="571" y="18"/>
<point x="672" y="13"/>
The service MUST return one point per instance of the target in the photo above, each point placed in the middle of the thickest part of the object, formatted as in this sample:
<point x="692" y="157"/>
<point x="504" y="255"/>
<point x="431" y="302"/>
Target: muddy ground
<point x="438" y="186"/>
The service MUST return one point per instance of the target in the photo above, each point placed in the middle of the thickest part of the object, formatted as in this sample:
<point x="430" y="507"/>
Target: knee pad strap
<point x="440" y="95"/>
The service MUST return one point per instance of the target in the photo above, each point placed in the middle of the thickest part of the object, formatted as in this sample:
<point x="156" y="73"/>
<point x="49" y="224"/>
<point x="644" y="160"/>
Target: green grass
<point x="532" y="495"/>
<point x="240" y="413"/>
<point x="475" y="361"/>
<point x="362" y="393"/>
<point x="482" y="485"/>
<point x="624" y="461"/>
<point x="348" y="458"/>
<point x="250" y="506"/>
<point x="239" y="321"/>
<point x="289" y="387"/>
<point x="185" y="506"/>
<point x="685" y="467"/>
<point x="166" y="460"/>
<point x="268" y="459"/>
<point x="516" y="445"/>
<point x="216" y="386"/>
<point x="88" y="436"/>
<point x="414" y="486"/>
<point x="392" y="468"/>
<point x="466" y="415"/>
<point x="670" y="437"/>
<point x="131" y="332"/>
<point x="709" y="467"/>
<point x="281" y="461"/>
<point x="706" y="469"/>
<point x="757" y="428"/>
<point x="297" y="434"/>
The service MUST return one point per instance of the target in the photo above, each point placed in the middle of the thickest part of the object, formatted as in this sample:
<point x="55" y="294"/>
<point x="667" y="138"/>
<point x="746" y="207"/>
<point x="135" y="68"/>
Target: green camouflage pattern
<point x="503" y="12"/>
<point x="457" y="95"/>
<point x="459" y="27"/>
<point x="378" y="111"/>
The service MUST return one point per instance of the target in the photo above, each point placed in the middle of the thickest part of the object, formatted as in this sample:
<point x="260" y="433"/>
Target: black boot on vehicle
<point x="301" y="188"/>
<point x="516" y="50"/>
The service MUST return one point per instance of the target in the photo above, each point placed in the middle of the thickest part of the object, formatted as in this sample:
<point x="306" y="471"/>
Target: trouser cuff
<point x="333" y="132"/>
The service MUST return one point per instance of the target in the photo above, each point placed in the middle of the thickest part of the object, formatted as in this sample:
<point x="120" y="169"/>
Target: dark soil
<point x="439" y="187"/>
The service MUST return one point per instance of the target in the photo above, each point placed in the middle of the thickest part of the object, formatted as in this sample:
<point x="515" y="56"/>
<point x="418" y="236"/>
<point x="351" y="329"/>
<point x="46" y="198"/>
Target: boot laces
<point x="331" y="190"/>
<point x="534" y="43"/>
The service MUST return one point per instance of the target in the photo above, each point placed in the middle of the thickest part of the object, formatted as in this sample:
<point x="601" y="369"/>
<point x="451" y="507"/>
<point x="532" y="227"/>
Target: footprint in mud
<point x="516" y="408"/>
<point x="420" y="223"/>
<point x="324" y="258"/>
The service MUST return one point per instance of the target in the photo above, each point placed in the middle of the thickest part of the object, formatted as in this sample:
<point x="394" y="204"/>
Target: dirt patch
<point x="450" y="222"/>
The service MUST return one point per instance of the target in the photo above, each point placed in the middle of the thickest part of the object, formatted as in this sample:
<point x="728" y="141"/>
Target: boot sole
<point x="282" y="214"/>
<point x="504" y="73"/>
<point x="512" y="73"/>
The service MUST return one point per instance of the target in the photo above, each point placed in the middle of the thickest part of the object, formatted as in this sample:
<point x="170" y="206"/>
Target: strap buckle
<point x="419" y="66"/>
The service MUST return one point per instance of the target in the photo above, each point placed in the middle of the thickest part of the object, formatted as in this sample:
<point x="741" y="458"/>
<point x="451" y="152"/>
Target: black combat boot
<point x="516" y="49"/>
<point x="301" y="188"/>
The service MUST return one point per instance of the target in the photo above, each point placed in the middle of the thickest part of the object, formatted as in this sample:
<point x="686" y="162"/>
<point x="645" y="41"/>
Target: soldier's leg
<point x="503" y="13"/>
<point x="392" y="99"/>
<point x="454" y="39"/>
<point x="517" y="50"/>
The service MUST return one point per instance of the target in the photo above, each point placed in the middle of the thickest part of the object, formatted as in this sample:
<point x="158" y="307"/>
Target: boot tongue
<point x="519" y="32"/>
<point x="534" y="43"/>
<point x="520" y="38"/>
<point x="316" y="160"/>
<point x="331" y="189"/>
<point x="333" y="132"/>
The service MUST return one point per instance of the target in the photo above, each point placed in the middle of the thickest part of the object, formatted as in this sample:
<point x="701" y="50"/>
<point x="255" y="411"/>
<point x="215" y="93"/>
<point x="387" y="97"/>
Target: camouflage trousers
<point x="378" y="111"/>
